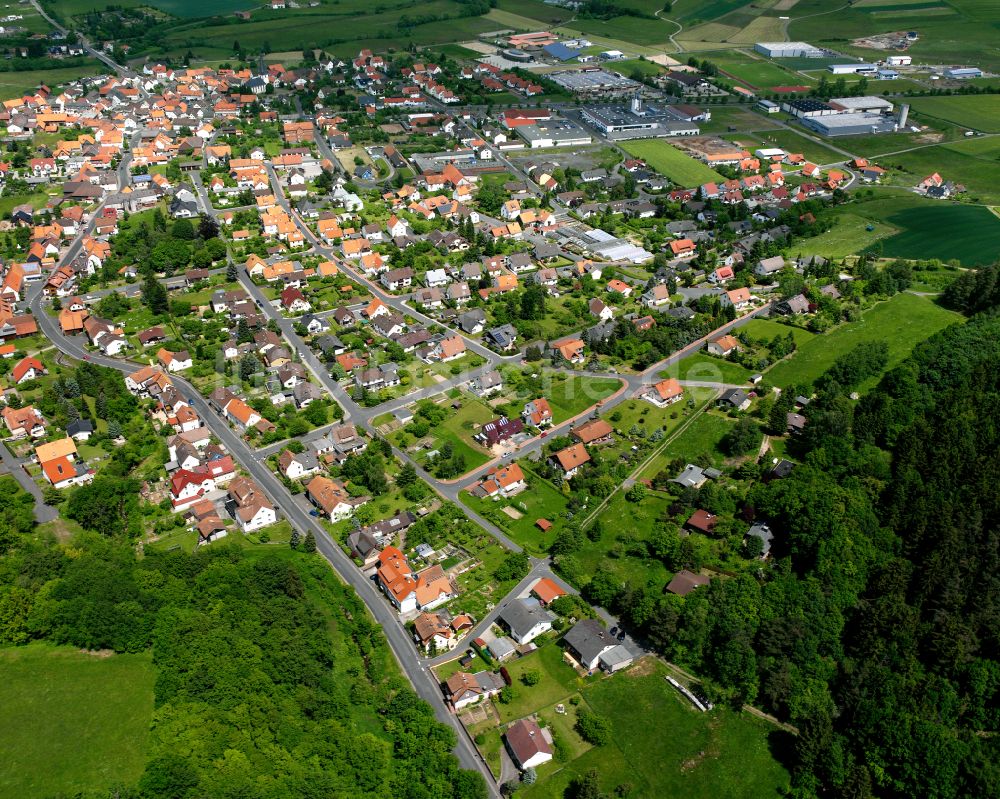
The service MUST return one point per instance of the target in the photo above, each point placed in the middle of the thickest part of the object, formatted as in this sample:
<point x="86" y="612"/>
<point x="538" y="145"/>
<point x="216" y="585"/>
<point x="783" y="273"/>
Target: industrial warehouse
<point x="789" y="50"/>
<point x="642" y="120"/>
<point x="594" y="82"/>
<point x="858" y="121"/>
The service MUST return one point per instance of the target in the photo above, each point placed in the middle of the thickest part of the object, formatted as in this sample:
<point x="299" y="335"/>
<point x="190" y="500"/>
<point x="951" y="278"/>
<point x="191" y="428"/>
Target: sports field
<point x="670" y="162"/>
<point x="72" y="723"/>
<point x="901" y="322"/>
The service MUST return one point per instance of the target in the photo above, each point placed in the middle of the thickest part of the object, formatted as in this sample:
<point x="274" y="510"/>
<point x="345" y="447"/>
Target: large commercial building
<point x="853" y="69"/>
<point x="854" y="124"/>
<point x="553" y="133"/>
<point x="639" y="120"/>
<point x="963" y="73"/>
<point x="869" y="104"/>
<point x="788" y="50"/>
<point x="806" y="108"/>
<point x="594" y="82"/>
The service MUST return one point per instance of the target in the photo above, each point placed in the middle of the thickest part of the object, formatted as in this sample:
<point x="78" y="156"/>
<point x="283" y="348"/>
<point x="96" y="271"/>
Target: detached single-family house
<point x="664" y="393"/>
<point x="527" y="744"/>
<point x="586" y="641"/>
<point x="723" y="346"/>
<point x="525" y="620"/>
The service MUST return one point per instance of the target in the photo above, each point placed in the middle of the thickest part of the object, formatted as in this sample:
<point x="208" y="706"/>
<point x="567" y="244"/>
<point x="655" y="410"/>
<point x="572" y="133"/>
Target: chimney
<point x="636" y="103"/>
<point x="904" y="112"/>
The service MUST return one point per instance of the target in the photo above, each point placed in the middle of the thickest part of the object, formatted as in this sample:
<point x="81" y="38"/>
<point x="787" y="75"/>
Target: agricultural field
<point x="974" y="163"/>
<point x="945" y="38"/>
<point x="740" y="118"/>
<point x="72" y="722"/>
<point x="672" y="163"/>
<point x="337" y="28"/>
<point x="755" y="72"/>
<point x="849" y="235"/>
<point x="981" y="112"/>
<point x="536" y="10"/>
<point x="901" y="322"/>
<point x="14" y="84"/>
<point x="973" y="234"/>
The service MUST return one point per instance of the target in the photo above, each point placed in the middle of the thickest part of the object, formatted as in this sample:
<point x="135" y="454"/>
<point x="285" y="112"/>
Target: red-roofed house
<point x="27" y="369"/>
<point x="664" y="393"/>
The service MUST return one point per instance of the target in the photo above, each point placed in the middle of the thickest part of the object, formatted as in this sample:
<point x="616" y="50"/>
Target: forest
<point x="874" y="628"/>
<point x="271" y="679"/>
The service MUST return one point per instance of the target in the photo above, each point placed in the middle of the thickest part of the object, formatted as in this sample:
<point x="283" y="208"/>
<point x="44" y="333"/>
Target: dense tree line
<point x="875" y="625"/>
<point x="272" y="681"/>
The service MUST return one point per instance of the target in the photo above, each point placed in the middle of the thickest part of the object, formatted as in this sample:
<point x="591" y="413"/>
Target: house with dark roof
<point x="527" y="744"/>
<point x="525" y="620"/>
<point x="685" y="582"/>
<point x="586" y="641"/>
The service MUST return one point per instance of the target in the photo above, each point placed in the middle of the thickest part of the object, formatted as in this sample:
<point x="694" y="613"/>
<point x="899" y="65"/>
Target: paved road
<point x="422" y="680"/>
<point x="100" y="55"/>
<point x="43" y="513"/>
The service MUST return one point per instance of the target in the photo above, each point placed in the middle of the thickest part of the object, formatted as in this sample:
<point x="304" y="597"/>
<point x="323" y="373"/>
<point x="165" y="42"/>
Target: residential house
<point x="487" y="383"/>
<point x="537" y="413"/>
<point x="740" y="299"/>
<point x="527" y="744"/>
<point x="249" y="506"/>
<point x="595" y="431"/>
<point x="734" y="398"/>
<point x="296" y="465"/>
<point x="570" y="459"/>
<point x="665" y="393"/>
<point x="501" y="481"/>
<point x="499" y="430"/>
<point x="525" y="619"/>
<point x="332" y="498"/>
<point x="723" y="346"/>
<point x="586" y="641"/>
<point x="463" y="689"/>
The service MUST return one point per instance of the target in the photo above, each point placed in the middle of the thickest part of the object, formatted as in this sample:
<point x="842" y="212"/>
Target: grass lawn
<point x="72" y="722"/>
<point x="704" y="367"/>
<point x="459" y="428"/>
<point x="683" y="753"/>
<point x="15" y="84"/>
<point x="607" y="555"/>
<point x="768" y="329"/>
<point x="648" y="69"/>
<point x="9" y="203"/>
<point x="540" y="501"/>
<point x="901" y="322"/>
<point x="700" y="439"/>
<point x="573" y="396"/>
<point x="756" y="72"/>
<point x="671" y="162"/>
<point x="848" y="236"/>
<point x="558" y="681"/>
